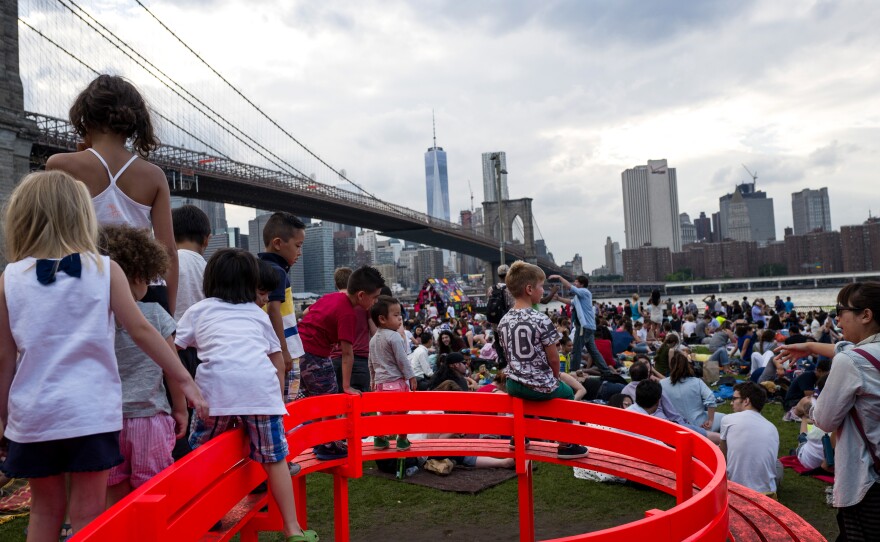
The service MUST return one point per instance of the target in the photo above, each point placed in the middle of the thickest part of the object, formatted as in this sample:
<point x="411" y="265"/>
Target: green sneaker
<point x="380" y="443"/>
<point x="403" y="443"/>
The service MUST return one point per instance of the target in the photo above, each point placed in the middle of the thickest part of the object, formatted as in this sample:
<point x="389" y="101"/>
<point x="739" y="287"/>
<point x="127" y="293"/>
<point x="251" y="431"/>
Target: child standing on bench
<point x="60" y="395"/>
<point x="242" y="372"/>
<point x="529" y="341"/>
<point x="390" y="369"/>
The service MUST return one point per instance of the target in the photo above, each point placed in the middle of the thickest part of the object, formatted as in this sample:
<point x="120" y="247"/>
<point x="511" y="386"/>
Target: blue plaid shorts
<point x="265" y="432"/>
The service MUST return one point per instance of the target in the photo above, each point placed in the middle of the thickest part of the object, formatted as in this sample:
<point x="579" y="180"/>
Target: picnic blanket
<point x="15" y="500"/>
<point x="791" y="461"/>
<point x="460" y="480"/>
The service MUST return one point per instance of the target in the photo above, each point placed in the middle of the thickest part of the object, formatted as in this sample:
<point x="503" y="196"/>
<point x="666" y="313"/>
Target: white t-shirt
<point x="752" y="444"/>
<point x="190" y="276"/>
<point x="688" y="328"/>
<point x="811" y="454"/>
<point x="234" y="342"/>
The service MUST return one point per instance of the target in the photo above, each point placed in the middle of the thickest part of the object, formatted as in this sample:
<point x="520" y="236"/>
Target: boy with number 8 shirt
<point x="529" y="341"/>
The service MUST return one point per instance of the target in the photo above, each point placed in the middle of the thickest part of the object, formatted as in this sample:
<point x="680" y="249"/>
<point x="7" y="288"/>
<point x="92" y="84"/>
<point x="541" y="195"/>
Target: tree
<point x="681" y="275"/>
<point x="772" y="270"/>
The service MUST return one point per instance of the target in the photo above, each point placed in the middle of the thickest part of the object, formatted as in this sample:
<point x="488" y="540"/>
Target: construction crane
<point x="754" y="176"/>
<point x="472" y="195"/>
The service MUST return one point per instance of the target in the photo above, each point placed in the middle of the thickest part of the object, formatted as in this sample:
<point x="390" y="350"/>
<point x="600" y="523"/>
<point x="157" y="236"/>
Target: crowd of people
<point x="184" y="349"/>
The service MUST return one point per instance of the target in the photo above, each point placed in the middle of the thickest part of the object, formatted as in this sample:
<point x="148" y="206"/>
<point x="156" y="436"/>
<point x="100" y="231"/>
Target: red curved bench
<point x="185" y="501"/>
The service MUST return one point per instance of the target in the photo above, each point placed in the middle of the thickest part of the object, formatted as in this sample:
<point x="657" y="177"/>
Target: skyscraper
<point x="318" y="259"/>
<point x="650" y="206"/>
<point x="746" y="215"/>
<point x="688" y="230"/>
<point x="613" y="257"/>
<point x="437" y="181"/>
<point x="489" y="193"/>
<point x="255" y="232"/>
<point x="703" y="224"/>
<point x="216" y="211"/>
<point x="811" y="211"/>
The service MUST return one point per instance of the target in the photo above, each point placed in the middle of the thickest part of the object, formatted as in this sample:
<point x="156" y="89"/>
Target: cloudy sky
<point x="573" y="91"/>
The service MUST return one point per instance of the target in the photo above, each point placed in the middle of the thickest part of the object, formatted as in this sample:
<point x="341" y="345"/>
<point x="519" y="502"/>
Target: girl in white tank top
<point x="125" y="188"/>
<point x="60" y="396"/>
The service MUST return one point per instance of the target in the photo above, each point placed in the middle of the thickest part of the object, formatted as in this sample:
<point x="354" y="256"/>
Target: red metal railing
<point x="184" y="501"/>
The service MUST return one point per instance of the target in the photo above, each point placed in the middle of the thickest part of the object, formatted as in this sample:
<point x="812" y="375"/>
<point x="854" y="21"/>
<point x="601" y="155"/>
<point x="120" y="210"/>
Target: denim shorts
<point x="89" y="453"/>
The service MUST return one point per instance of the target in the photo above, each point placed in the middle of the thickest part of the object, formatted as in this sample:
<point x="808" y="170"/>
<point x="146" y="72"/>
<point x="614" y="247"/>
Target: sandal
<point x="307" y="536"/>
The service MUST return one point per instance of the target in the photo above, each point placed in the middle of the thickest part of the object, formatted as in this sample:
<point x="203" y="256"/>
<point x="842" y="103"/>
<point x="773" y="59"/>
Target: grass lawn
<point x="564" y="505"/>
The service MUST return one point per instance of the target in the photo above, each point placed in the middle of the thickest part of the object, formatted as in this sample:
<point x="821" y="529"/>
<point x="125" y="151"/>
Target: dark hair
<point x="755" y="393"/>
<point x="862" y="295"/>
<point x="679" y="367"/>
<point x="616" y="400"/>
<point x="648" y="393"/>
<point x="111" y="103"/>
<point x="268" y="279"/>
<point x="190" y="224"/>
<point x="425" y="338"/>
<point x="583" y="279"/>
<point x="365" y="279"/>
<point x="655" y="298"/>
<point x="385" y="290"/>
<point x="820" y="384"/>
<point x="381" y="307"/>
<point x="824" y="365"/>
<point x="139" y="255"/>
<point x="281" y="226"/>
<point x="448" y="385"/>
<point x="639" y="371"/>
<point x="340" y="277"/>
<point x="232" y="274"/>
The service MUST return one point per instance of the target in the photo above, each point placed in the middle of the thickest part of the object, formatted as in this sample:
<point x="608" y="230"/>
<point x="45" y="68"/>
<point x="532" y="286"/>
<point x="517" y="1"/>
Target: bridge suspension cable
<point x="124" y="48"/>
<point x="251" y="103"/>
<point x="96" y="72"/>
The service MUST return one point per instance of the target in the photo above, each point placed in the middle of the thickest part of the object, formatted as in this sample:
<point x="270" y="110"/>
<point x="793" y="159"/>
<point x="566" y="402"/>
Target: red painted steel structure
<point x="184" y="501"/>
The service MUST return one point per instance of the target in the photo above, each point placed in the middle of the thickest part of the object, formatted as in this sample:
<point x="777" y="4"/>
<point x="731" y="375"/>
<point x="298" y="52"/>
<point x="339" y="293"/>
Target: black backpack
<point x="496" y="306"/>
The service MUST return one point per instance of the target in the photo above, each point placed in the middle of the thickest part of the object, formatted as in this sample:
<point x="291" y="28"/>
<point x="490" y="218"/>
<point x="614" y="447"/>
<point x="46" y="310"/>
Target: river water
<point x="806" y="298"/>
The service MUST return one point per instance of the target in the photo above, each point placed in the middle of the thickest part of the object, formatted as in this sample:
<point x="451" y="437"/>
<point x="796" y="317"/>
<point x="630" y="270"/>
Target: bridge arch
<point x="513" y="210"/>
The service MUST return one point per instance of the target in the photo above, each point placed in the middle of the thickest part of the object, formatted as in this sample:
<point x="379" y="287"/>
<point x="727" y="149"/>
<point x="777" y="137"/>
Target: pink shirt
<point x="329" y="321"/>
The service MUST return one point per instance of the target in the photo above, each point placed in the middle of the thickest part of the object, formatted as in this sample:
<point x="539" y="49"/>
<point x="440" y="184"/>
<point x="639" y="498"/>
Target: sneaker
<point x="294" y="468"/>
<point x="571" y="451"/>
<point x="330" y="451"/>
<point x="380" y="443"/>
<point x="513" y="444"/>
<point x="403" y="443"/>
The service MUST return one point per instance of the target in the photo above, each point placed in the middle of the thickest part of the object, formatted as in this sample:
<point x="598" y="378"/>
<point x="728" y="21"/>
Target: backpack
<point x="496" y="306"/>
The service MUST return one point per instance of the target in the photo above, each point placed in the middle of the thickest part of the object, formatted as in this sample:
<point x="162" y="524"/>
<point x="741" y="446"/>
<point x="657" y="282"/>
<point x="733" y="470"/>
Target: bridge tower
<point x="513" y="208"/>
<point x="17" y="134"/>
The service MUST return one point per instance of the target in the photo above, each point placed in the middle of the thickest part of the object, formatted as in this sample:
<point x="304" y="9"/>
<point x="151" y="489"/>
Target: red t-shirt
<point x="361" y="344"/>
<point x="330" y="320"/>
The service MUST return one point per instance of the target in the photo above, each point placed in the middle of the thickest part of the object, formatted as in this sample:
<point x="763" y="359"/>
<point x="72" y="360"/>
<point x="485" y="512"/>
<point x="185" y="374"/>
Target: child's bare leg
<point x="116" y="493"/>
<point x="48" y="503"/>
<point x="282" y="491"/>
<point x="88" y="497"/>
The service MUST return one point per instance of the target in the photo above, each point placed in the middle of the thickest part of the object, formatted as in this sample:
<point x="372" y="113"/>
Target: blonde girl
<point x="125" y="188"/>
<point x="60" y="393"/>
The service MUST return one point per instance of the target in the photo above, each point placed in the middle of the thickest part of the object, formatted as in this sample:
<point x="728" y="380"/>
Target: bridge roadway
<point x="212" y="178"/>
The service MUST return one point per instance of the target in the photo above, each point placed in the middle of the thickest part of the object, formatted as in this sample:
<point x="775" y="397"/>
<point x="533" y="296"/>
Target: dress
<point x="62" y="362"/>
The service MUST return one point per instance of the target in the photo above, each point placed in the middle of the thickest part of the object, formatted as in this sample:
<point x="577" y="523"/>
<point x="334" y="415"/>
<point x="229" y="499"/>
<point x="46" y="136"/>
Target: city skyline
<point x="796" y="101"/>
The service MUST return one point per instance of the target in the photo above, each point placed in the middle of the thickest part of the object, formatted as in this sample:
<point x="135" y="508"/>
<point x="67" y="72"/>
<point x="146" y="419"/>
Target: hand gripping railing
<point x="185" y="500"/>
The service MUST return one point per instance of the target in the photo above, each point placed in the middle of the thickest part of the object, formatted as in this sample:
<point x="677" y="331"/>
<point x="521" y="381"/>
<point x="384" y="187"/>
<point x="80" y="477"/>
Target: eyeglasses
<point x="736" y="398"/>
<point x="841" y="308"/>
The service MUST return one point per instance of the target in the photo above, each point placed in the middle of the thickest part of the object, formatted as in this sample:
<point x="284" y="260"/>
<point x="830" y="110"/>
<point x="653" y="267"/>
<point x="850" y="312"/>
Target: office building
<point x="317" y="259"/>
<point x="613" y="257"/>
<point x="746" y="214"/>
<point x="811" y="211"/>
<point x="216" y="211"/>
<point x="703" y="225"/>
<point x="225" y="238"/>
<point x="688" y="230"/>
<point x="366" y="241"/>
<point x="490" y="176"/>
<point x="437" y="181"/>
<point x="647" y="264"/>
<point x="650" y="206"/>
<point x="255" y="232"/>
